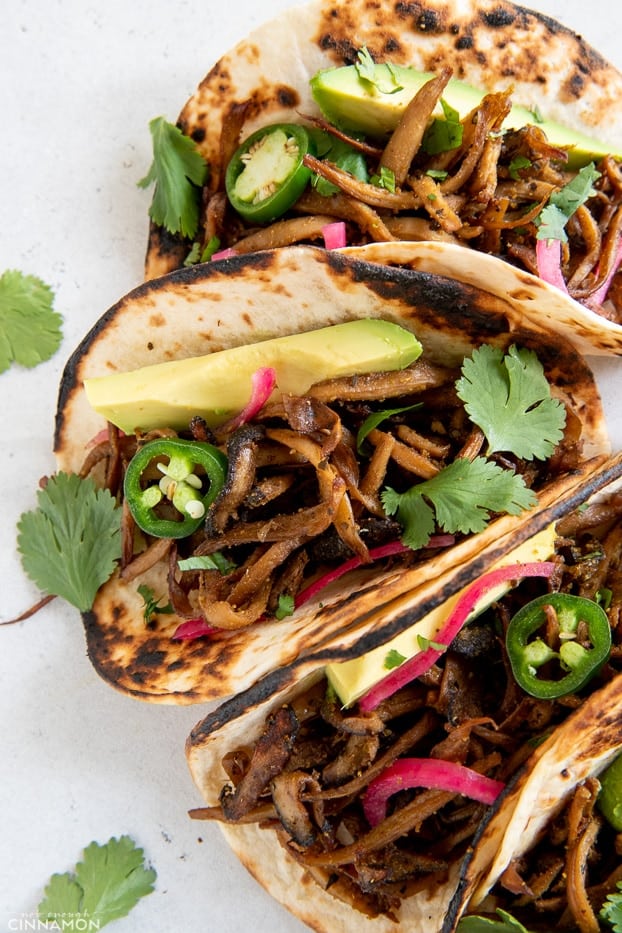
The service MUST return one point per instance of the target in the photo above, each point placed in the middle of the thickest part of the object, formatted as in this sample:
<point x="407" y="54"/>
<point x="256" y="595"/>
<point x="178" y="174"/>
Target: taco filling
<point x="354" y="145"/>
<point x="376" y="800"/>
<point x="257" y="514"/>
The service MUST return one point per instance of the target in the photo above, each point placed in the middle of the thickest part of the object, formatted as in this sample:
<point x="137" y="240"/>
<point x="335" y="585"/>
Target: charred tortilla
<point x="570" y="749"/>
<point x="207" y="308"/>
<point x="491" y="45"/>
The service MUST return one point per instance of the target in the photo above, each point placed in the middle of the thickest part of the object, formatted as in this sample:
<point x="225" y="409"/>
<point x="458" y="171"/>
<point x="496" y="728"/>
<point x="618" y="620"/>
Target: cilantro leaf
<point x="366" y="70"/>
<point x="69" y="545"/>
<point x="509" y="398"/>
<point x="341" y="154"/>
<point x="386" y="179"/>
<point x="377" y="417"/>
<point x="442" y="135"/>
<point x="285" y="607"/>
<point x="507" y="924"/>
<point x="106" y="885"/>
<point x="518" y="162"/>
<point x="30" y="331"/>
<point x="393" y="659"/>
<point x="563" y="203"/>
<point x="215" y="561"/>
<point x="151" y="604"/>
<point x="611" y="910"/>
<point x="178" y="170"/>
<point x="461" y="498"/>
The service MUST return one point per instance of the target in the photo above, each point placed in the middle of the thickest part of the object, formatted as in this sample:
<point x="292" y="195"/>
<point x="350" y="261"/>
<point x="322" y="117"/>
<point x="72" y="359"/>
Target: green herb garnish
<point x="443" y="134"/>
<point x="341" y="154"/>
<point x="104" y="886"/>
<point x="366" y="69"/>
<point x="393" y="659"/>
<point x="215" y="561"/>
<point x="611" y="911"/>
<point x="507" y="924"/>
<point x="71" y="543"/>
<point x="518" y="162"/>
<point x="152" y="607"/>
<point x="386" y="179"/>
<point x="372" y="421"/>
<point x="562" y="204"/>
<point x="30" y="331"/>
<point x="509" y="398"/>
<point x="461" y="498"/>
<point x="285" y="606"/>
<point x="178" y="171"/>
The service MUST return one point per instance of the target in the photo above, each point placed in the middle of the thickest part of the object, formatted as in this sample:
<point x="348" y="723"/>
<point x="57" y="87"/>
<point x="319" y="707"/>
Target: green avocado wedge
<point x="374" y="107"/>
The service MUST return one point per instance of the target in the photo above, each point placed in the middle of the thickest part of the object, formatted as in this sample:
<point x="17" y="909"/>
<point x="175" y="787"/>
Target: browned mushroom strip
<point x="414" y="379"/>
<point x="286" y="789"/>
<point x="373" y="152"/>
<point x="155" y="552"/>
<point x="255" y="576"/>
<point x="406" y="457"/>
<point x="405" y="227"/>
<point x="408" y="817"/>
<point x="434" y="447"/>
<point x="583" y="828"/>
<point x="406" y="741"/>
<point x="362" y="190"/>
<point x="242" y="460"/>
<point x="284" y="233"/>
<point x="270" y="755"/>
<point x="435" y="203"/>
<point x="407" y="136"/>
<point x="223" y="614"/>
<point x="359" y="752"/>
<point x="592" y="244"/>
<point x="342" y="207"/>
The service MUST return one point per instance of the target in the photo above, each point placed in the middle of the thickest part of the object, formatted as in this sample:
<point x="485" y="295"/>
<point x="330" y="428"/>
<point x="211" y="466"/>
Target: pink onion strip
<point x="406" y="773"/>
<point x="194" y="628"/>
<point x="600" y="295"/>
<point x="334" y="235"/>
<point x="549" y="261"/>
<point x="223" y="254"/>
<point x="423" y="660"/>
<point x="383" y="550"/>
<point x="263" y="382"/>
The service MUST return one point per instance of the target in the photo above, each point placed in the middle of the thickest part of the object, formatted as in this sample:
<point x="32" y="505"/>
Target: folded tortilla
<point x="210" y="307"/>
<point x="491" y="45"/>
<point x="581" y="746"/>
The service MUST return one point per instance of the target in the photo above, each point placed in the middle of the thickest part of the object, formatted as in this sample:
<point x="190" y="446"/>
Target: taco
<point x="197" y="311"/>
<point x="403" y="808"/>
<point x="314" y="149"/>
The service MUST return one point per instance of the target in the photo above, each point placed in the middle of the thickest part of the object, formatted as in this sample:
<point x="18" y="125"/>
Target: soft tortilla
<point x="492" y="45"/>
<point x="583" y="745"/>
<point x="206" y="308"/>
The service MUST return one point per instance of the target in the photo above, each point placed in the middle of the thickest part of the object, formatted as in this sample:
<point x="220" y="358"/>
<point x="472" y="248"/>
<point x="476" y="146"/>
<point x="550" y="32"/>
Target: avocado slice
<point x="358" y="105"/>
<point x="352" y="679"/>
<point x="218" y="386"/>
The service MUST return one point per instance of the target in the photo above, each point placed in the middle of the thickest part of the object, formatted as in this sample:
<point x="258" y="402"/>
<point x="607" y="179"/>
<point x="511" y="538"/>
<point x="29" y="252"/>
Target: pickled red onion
<point x="263" y="382"/>
<point x="549" y="260"/>
<point x="377" y="553"/>
<point x="334" y="235"/>
<point x="406" y="773"/>
<point x="193" y="628"/>
<point x="423" y="660"/>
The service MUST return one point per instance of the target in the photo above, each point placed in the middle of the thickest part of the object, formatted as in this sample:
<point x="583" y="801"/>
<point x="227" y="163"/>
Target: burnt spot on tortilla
<point x="499" y="17"/>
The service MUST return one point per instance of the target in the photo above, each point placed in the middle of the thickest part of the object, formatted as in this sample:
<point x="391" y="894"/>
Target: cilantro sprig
<point x="71" y="543"/>
<point x="461" y="498"/>
<point x="104" y="886"/>
<point x="30" y="330"/>
<point x="178" y="171"/>
<point x="509" y="398"/>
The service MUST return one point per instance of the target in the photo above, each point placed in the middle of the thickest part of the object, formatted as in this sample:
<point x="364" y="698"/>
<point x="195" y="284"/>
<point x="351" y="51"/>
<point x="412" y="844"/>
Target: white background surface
<point x="79" y="82"/>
